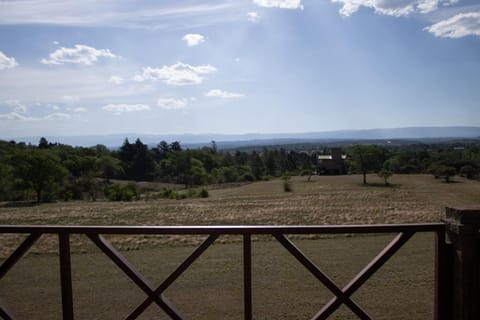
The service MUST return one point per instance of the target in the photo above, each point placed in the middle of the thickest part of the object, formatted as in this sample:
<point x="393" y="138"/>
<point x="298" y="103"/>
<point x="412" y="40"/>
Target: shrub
<point x="385" y="174"/>
<point x="287" y="187"/>
<point x="247" y="177"/>
<point x="122" y="192"/>
<point x="469" y="171"/>
<point x="203" y="193"/>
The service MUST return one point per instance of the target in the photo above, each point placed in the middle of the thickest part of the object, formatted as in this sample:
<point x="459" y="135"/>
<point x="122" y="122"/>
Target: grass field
<point x="212" y="289"/>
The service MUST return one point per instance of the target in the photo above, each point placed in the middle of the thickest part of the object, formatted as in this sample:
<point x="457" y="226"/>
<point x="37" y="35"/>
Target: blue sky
<point x="236" y="66"/>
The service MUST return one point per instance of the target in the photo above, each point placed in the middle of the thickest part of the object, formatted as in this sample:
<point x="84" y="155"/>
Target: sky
<point x="70" y="68"/>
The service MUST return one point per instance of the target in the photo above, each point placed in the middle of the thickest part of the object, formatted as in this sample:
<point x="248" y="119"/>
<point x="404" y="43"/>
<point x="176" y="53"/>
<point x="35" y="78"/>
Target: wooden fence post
<point x="463" y="234"/>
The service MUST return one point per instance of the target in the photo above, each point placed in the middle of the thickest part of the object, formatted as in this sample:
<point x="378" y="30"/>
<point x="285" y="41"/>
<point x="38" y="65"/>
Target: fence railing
<point x="155" y="294"/>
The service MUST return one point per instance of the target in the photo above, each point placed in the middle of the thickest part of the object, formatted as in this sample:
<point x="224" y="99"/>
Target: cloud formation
<point x="79" y="54"/>
<point x="179" y="74"/>
<point x="115" y="13"/>
<point x="395" y="8"/>
<point x="172" y="104"/>
<point x="193" y="39"/>
<point x="116" y="80"/>
<point x="18" y="107"/>
<point x="282" y="4"/>
<point x="57" y="116"/>
<point x="13" y="116"/>
<point x="123" y="107"/>
<point x="6" y="62"/>
<point x="78" y="109"/>
<point x="461" y="25"/>
<point x="217" y="93"/>
<point x="253" y="16"/>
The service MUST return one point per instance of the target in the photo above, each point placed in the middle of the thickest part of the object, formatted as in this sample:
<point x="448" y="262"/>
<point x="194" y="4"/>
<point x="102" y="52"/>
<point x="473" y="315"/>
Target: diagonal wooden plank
<point x="134" y="275"/>
<point x="365" y="274"/>
<point x="322" y="277"/>
<point x="174" y="275"/>
<point x="18" y="253"/>
<point x="5" y="312"/>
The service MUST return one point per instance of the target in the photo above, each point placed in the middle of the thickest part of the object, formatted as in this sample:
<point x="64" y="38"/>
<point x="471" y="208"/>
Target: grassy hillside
<point x="212" y="288"/>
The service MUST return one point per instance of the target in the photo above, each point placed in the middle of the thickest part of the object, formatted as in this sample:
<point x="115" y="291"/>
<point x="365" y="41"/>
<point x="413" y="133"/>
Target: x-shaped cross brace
<point x="343" y="295"/>
<point x="154" y="294"/>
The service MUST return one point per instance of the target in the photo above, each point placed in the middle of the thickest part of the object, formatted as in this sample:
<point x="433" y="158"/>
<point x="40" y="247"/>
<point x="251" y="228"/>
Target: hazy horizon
<point x="71" y="68"/>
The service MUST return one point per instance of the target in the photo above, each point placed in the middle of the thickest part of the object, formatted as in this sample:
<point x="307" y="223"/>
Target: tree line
<point x="53" y="171"/>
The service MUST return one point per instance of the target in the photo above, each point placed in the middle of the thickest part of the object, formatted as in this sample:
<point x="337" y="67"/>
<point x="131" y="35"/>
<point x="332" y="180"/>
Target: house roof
<point x="329" y="157"/>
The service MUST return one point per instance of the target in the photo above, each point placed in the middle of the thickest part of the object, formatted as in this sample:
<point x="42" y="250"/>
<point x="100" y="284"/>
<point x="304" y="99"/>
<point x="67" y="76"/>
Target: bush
<point x="247" y="177"/>
<point x="287" y="187"/>
<point x="385" y="174"/>
<point x="469" y="172"/>
<point x="122" y="192"/>
<point x="203" y="193"/>
<point x="168" y="193"/>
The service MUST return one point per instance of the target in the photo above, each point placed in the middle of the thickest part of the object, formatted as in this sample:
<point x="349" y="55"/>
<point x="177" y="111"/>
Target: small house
<point x="331" y="164"/>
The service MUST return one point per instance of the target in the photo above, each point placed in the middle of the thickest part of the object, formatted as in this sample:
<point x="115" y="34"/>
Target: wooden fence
<point x="457" y="268"/>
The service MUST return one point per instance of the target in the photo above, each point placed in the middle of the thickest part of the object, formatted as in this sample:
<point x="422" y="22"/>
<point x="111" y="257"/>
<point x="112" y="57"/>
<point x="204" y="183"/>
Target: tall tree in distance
<point x="39" y="170"/>
<point x="367" y="159"/>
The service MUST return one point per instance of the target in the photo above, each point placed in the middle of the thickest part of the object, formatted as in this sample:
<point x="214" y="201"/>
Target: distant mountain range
<point x="251" y="139"/>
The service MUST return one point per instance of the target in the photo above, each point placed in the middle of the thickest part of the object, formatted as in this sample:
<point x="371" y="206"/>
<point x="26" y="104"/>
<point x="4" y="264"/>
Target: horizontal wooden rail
<point x="224" y="230"/>
<point x="155" y="294"/>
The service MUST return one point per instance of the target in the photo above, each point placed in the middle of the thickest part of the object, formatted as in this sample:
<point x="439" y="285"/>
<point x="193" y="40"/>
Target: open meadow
<point x="212" y="287"/>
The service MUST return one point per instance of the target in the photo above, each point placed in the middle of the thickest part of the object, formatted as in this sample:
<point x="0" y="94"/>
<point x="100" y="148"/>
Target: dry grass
<point x="212" y="288"/>
<point x="324" y="200"/>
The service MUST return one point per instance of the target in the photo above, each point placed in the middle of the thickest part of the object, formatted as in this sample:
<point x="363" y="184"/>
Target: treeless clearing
<point x="212" y="288"/>
<point x="324" y="200"/>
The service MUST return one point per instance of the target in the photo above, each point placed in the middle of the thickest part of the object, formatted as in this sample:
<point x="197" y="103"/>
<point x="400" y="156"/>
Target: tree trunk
<point x="364" y="177"/>
<point x="39" y="195"/>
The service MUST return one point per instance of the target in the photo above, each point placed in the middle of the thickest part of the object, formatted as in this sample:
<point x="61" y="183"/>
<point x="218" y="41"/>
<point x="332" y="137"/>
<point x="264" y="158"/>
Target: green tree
<point x="6" y="182"/>
<point x="39" y="170"/>
<point x="469" y="171"/>
<point x="137" y="161"/>
<point x="43" y="143"/>
<point x="385" y="174"/>
<point x="367" y="159"/>
<point x="443" y="171"/>
<point x="108" y="167"/>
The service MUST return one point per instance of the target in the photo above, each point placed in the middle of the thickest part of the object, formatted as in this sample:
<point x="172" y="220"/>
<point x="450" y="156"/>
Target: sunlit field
<point x="212" y="288"/>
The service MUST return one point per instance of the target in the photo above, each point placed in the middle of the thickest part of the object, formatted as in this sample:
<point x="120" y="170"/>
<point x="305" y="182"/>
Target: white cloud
<point x="6" y="62"/>
<point x="17" y="105"/>
<point x="282" y="4"/>
<point x="223" y="94"/>
<point x="395" y="8"/>
<point x="116" y="80"/>
<point x="80" y="54"/>
<point x="172" y="104"/>
<point x="69" y="98"/>
<point x="113" y="13"/>
<point x="77" y="110"/>
<point x="193" y="39"/>
<point x="461" y="25"/>
<point x="253" y="16"/>
<point x="13" y="116"/>
<point x="178" y="74"/>
<point x="57" y="116"/>
<point x="122" y="108"/>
